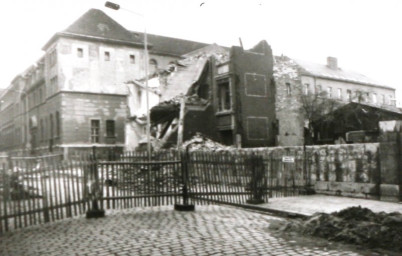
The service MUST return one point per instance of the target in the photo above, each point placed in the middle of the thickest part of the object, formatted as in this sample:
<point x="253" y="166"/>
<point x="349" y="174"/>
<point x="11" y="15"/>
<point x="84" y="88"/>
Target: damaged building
<point x="226" y="94"/>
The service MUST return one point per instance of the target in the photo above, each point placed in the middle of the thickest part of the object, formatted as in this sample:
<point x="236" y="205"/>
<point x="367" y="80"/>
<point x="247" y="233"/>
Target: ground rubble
<point x="355" y="225"/>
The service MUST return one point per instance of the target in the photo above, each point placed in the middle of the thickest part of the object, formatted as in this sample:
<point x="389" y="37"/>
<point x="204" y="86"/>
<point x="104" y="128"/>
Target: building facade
<point x="74" y="97"/>
<point x="296" y="79"/>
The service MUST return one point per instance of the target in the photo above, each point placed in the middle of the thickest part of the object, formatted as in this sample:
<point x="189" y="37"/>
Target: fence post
<point x="6" y="195"/>
<point x="46" y="214"/>
<point x="184" y="168"/>
<point x="94" y="190"/>
<point x="257" y="184"/>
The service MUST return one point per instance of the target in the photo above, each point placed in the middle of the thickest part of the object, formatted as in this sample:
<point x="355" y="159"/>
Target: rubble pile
<point x="200" y="142"/>
<point x="354" y="225"/>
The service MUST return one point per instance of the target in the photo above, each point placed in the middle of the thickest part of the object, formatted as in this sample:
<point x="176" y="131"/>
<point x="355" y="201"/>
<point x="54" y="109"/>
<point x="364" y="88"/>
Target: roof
<point x="372" y="111"/>
<point x="95" y="24"/>
<point x="323" y="71"/>
<point x="168" y="45"/>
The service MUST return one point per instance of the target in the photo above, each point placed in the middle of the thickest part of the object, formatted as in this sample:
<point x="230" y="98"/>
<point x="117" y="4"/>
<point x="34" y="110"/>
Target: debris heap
<point x="354" y="225"/>
<point x="201" y="142"/>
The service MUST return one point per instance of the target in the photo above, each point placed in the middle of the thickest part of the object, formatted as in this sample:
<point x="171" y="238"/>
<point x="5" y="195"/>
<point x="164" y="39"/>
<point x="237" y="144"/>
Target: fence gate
<point x="137" y="180"/>
<point x="226" y="177"/>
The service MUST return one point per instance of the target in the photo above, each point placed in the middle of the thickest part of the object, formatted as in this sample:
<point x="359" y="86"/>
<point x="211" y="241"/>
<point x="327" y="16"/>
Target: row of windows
<point x="107" y="57"/>
<point x="95" y="130"/>
<point x="350" y="96"/>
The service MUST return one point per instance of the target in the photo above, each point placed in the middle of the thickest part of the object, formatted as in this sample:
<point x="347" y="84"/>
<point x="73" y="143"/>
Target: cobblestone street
<point x="210" y="230"/>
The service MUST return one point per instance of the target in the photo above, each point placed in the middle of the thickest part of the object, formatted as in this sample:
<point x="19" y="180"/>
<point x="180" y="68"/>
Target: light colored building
<point x="295" y="78"/>
<point x="74" y="97"/>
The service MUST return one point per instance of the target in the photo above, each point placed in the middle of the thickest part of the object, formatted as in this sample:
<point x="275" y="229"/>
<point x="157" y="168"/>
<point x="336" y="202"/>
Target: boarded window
<point x="110" y="128"/>
<point x="255" y="85"/>
<point x="257" y="128"/>
<point x="95" y="128"/>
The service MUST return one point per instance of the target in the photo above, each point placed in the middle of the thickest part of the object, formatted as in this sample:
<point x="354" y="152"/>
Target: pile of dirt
<point x="354" y="225"/>
<point x="201" y="142"/>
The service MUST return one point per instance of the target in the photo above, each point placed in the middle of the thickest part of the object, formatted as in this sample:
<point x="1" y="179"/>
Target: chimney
<point x="332" y="62"/>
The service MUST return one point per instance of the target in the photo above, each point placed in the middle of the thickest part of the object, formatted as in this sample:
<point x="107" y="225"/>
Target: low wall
<point x="346" y="169"/>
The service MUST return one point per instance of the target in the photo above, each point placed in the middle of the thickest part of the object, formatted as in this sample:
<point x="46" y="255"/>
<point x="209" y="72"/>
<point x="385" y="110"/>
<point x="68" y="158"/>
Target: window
<point x="132" y="58"/>
<point x="374" y="98"/>
<point x="80" y="52"/>
<point x="367" y="98"/>
<point x="42" y="130"/>
<point x="329" y="91"/>
<point x="339" y="93"/>
<point x="318" y="89"/>
<point x="390" y="100"/>
<point x="95" y="127"/>
<point x="53" y="58"/>
<point x="57" y="124"/>
<point x="349" y="95"/>
<point x="53" y="84"/>
<point x="153" y="66"/>
<point x="306" y="89"/>
<point x="107" y="56"/>
<point x="224" y="101"/>
<point x="110" y="128"/>
<point x="51" y="126"/>
<point x="384" y="101"/>
<point x="288" y="89"/>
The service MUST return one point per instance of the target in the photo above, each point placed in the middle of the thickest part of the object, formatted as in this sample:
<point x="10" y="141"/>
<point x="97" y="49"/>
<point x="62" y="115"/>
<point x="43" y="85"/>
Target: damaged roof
<point x="323" y="71"/>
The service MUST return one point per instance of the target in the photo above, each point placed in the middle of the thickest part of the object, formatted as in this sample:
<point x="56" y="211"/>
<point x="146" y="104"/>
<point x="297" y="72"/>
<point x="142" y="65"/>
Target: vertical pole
<point x="147" y="92"/>
<point x="184" y="168"/>
<point x="181" y="123"/>
<point x="95" y="189"/>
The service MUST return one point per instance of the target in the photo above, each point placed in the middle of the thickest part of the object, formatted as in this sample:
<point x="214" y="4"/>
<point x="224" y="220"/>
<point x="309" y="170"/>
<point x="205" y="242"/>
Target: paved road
<point x="210" y="230"/>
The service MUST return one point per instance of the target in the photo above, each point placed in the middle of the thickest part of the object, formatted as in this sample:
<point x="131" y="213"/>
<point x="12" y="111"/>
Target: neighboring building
<point x="229" y="96"/>
<point x="74" y="97"/>
<point x="295" y="78"/>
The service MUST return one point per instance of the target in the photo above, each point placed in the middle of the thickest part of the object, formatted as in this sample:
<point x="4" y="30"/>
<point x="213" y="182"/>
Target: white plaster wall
<point x="344" y="86"/>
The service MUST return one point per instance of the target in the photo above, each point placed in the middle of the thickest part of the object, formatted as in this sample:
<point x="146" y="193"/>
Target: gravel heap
<point x="354" y="225"/>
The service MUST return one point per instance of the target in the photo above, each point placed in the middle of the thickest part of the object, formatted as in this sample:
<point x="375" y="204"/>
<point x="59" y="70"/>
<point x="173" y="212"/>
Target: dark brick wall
<point x="254" y="95"/>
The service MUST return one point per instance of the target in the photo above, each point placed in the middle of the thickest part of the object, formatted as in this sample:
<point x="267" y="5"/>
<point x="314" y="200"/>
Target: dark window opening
<point x="107" y="56"/>
<point x="132" y="58"/>
<point x="57" y="124"/>
<point x="80" y="52"/>
<point x="227" y="137"/>
<point x="110" y="128"/>
<point x="95" y="127"/>
<point x="224" y="101"/>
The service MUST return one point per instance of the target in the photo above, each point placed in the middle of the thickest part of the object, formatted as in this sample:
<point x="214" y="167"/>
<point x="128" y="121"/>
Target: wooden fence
<point x="36" y="190"/>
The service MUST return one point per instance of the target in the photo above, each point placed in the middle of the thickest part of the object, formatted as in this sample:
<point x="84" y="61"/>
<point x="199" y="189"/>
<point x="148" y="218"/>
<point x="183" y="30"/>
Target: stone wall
<point x="346" y="169"/>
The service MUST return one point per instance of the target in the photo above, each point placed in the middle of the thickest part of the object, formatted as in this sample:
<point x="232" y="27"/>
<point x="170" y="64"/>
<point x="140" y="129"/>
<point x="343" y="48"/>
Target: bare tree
<point x="313" y="107"/>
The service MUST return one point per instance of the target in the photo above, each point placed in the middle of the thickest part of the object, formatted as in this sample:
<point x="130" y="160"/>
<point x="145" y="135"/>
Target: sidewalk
<point x="308" y="205"/>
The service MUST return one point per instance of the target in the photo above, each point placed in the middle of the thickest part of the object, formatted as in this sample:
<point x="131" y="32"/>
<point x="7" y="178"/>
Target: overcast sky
<point x="365" y="35"/>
